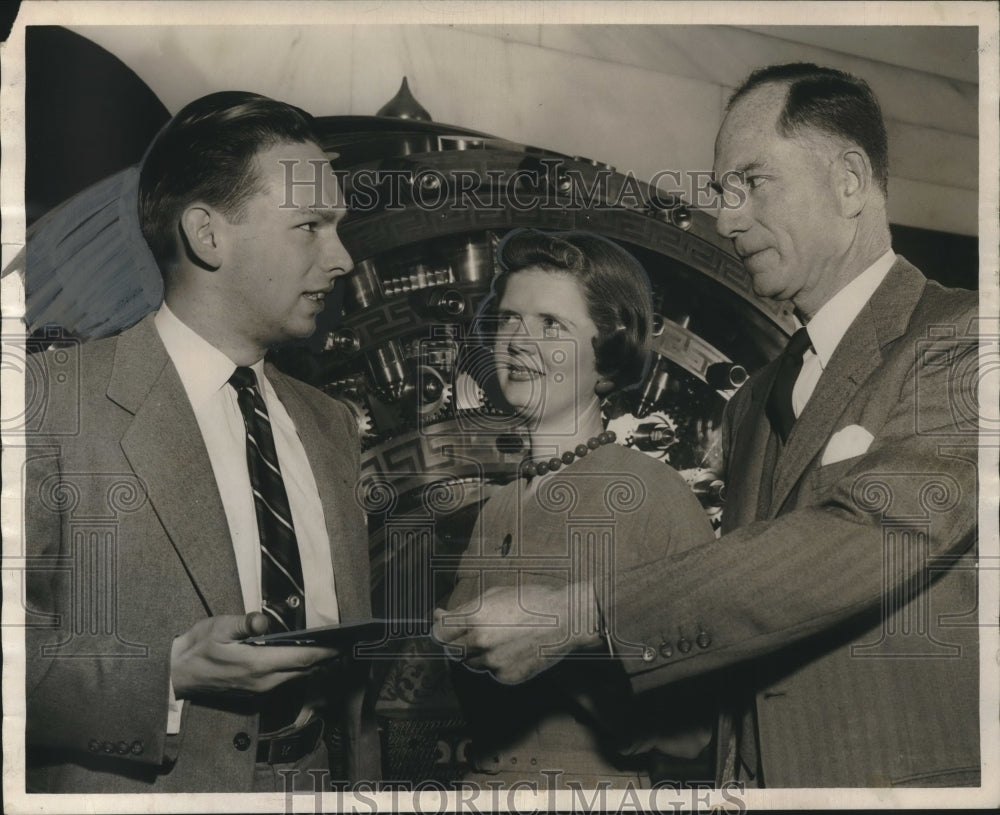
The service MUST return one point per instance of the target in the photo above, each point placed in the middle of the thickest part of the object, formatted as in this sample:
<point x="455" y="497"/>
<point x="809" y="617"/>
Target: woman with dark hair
<point x="570" y="317"/>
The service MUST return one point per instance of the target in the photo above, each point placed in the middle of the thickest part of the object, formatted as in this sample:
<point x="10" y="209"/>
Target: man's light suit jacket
<point x="129" y="546"/>
<point x="842" y="596"/>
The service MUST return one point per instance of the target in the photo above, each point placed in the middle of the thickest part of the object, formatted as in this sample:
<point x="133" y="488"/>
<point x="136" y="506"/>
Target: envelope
<point x="848" y="442"/>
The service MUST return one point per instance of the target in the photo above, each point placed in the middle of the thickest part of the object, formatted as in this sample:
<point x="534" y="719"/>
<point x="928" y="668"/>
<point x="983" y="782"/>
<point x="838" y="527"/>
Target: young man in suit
<point x="841" y="597"/>
<point x="222" y="493"/>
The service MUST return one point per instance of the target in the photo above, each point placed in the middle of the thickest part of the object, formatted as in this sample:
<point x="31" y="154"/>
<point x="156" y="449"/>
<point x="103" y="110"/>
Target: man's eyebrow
<point x="740" y="172"/>
<point x="750" y="166"/>
<point x="326" y="214"/>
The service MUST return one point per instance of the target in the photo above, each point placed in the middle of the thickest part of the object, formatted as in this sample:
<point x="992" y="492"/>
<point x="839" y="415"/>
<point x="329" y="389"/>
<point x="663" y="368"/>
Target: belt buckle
<point x="291" y="747"/>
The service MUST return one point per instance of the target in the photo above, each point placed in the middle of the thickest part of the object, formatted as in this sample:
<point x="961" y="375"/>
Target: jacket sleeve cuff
<point x="175" y="708"/>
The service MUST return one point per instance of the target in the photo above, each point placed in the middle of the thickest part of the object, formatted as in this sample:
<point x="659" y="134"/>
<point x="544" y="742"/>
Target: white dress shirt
<point x="828" y="326"/>
<point x="204" y="372"/>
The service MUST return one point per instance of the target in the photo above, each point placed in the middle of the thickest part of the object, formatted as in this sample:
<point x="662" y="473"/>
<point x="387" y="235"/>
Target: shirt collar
<point x="830" y="323"/>
<point x="202" y="367"/>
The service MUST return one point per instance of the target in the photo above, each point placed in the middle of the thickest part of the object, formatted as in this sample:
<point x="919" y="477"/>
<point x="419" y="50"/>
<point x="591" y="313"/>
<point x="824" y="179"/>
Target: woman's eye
<point x="754" y="181"/>
<point x="551" y="324"/>
<point x="310" y="226"/>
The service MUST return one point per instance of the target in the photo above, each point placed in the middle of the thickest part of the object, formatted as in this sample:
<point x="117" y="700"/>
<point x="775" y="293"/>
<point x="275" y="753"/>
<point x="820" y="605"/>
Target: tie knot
<point x="243" y="377"/>
<point x="797" y="345"/>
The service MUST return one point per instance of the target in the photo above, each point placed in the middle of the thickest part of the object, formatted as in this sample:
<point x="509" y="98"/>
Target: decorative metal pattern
<point x="430" y="203"/>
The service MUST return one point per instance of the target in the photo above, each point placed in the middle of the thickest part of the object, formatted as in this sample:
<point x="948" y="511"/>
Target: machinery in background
<point x="429" y="203"/>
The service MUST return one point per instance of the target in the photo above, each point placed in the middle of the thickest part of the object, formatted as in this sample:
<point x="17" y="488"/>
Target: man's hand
<point x="210" y="658"/>
<point x="517" y="632"/>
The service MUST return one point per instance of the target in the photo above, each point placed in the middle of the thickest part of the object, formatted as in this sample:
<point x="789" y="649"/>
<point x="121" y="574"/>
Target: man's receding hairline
<point x="734" y="106"/>
<point x="768" y="85"/>
<point x="801" y="132"/>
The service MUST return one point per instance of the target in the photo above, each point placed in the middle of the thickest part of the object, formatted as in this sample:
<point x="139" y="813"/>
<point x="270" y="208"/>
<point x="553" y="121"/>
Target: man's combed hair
<point x="206" y="153"/>
<point x="830" y="101"/>
<point x="615" y="289"/>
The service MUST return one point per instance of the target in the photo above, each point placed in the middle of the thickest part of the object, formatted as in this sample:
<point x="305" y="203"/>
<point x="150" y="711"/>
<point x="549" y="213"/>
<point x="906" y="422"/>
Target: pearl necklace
<point x="529" y="469"/>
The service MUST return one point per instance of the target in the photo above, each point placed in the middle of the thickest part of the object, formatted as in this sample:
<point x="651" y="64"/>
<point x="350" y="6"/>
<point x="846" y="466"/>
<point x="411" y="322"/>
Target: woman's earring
<point x="604" y="387"/>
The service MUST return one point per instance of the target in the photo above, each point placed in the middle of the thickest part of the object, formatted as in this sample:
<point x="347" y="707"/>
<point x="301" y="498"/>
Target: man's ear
<point x="854" y="182"/>
<point x="199" y="231"/>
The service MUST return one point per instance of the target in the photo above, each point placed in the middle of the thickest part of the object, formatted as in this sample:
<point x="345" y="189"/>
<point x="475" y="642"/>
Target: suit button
<point x="293" y="601"/>
<point x="241" y="741"/>
<point x="648" y="654"/>
<point x="136" y="748"/>
<point x="108" y="747"/>
<point x="683" y="645"/>
<point x="703" y="639"/>
<point x="121" y="748"/>
<point x="94" y="746"/>
<point x="665" y="650"/>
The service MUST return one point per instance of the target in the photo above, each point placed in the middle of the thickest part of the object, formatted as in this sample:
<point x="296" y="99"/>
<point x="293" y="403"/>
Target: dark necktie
<point x="282" y="592"/>
<point x="779" y="401"/>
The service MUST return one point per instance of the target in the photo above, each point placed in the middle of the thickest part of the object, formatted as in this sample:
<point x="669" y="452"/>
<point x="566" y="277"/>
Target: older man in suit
<point x="841" y="597"/>
<point x="206" y="497"/>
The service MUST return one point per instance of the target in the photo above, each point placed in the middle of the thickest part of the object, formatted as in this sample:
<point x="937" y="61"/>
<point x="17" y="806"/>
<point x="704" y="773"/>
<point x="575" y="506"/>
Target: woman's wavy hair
<point x="615" y="288"/>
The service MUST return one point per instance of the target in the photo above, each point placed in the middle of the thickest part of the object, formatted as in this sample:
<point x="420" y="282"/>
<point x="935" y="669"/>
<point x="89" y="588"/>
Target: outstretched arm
<point x="776" y="581"/>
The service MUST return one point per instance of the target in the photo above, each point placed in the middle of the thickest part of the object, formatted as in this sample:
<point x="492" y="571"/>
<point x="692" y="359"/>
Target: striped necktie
<point x="282" y="592"/>
<point x="779" y="402"/>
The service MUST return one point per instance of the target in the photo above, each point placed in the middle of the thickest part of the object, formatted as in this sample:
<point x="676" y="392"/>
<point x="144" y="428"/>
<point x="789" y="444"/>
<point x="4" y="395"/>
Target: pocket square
<point x="847" y="442"/>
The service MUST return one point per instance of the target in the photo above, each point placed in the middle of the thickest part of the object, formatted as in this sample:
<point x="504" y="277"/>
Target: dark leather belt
<point x="290" y="747"/>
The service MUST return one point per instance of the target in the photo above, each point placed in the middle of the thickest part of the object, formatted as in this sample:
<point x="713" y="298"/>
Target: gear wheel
<point x="487" y="408"/>
<point x="439" y="408"/>
<point x="362" y="416"/>
<point x="434" y="395"/>
<point x="468" y="393"/>
<point x="624" y="428"/>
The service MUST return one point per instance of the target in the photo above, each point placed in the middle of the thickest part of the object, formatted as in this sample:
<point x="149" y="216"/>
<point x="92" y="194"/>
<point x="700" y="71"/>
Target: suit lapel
<point x="164" y="446"/>
<point x="882" y="320"/>
<point x="333" y="469"/>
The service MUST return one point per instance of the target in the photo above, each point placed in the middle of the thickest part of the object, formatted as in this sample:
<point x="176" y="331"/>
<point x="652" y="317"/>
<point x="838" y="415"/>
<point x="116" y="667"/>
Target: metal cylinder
<point x="711" y="491"/>
<point x="446" y="304"/>
<point x="472" y="261"/>
<point x="364" y="284"/>
<point x="650" y="436"/>
<point x="655" y="387"/>
<point x="725" y="376"/>
<point x="386" y="364"/>
<point x="343" y="341"/>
